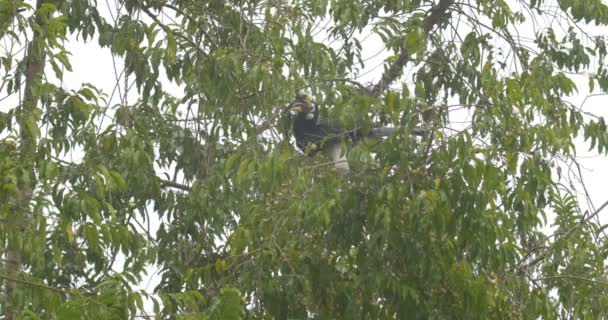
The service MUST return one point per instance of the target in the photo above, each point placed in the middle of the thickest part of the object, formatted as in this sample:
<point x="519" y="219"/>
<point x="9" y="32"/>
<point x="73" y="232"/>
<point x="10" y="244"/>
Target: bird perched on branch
<point x="313" y="134"/>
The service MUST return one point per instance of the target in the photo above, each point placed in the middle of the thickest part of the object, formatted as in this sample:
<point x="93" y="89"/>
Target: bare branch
<point x="559" y="237"/>
<point x="173" y="184"/>
<point x="437" y="13"/>
<point x="572" y="277"/>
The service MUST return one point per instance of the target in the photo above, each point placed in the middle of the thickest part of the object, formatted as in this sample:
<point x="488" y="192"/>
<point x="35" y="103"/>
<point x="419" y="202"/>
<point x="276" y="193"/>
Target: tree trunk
<point x="27" y="118"/>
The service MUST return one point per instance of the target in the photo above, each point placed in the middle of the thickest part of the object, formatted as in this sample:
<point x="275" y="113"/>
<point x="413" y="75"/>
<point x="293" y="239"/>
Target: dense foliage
<point x="201" y="188"/>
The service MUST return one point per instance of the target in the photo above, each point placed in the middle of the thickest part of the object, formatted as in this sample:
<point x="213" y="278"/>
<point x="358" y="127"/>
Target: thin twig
<point x="168" y="30"/>
<point x="571" y="277"/>
<point x="284" y="256"/>
<point x="39" y="285"/>
<point x="560" y="237"/>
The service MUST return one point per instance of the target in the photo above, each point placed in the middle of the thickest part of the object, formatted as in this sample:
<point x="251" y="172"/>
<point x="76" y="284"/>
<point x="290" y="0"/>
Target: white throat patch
<point x="309" y="116"/>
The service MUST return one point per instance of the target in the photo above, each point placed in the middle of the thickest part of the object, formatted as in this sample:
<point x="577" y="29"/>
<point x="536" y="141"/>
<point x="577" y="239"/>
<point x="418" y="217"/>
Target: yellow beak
<point x="296" y="106"/>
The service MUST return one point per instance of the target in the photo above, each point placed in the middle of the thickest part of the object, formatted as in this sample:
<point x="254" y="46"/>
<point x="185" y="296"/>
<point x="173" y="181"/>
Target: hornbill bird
<point x="313" y="134"/>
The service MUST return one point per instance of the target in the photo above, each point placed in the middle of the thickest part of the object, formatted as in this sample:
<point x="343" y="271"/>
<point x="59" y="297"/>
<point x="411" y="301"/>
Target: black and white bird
<point x="314" y="134"/>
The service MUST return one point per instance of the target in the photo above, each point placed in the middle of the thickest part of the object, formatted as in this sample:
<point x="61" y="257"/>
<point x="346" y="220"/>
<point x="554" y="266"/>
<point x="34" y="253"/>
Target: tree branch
<point x="39" y="285"/>
<point x="559" y="237"/>
<point x="168" y="30"/>
<point x="572" y="277"/>
<point x="172" y="184"/>
<point x="181" y="12"/>
<point x="437" y="13"/>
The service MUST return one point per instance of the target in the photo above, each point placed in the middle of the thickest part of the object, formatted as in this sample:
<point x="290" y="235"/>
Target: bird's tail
<point x="387" y="131"/>
<point x="418" y="131"/>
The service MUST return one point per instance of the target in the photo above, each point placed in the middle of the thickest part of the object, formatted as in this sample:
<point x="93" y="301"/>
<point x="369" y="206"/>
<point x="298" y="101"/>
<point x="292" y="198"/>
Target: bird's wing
<point x="317" y="134"/>
<point x="337" y="130"/>
<point x="325" y="132"/>
<point x="354" y="134"/>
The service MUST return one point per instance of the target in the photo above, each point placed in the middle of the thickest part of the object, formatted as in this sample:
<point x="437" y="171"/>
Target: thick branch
<point x="34" y="284"/>
<point x="172" y="184"/>
<point x="437" y="14"/>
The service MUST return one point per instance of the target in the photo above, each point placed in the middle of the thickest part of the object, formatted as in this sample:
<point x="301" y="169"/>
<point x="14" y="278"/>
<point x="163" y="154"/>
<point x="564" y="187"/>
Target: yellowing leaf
<point x="220" y="265"/>
<point x="69" y="232"/>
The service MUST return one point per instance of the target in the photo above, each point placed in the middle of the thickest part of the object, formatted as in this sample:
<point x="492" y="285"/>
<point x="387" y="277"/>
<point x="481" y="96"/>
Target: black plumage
<point x="317" y="133"/>
<point x="313" y="134"/>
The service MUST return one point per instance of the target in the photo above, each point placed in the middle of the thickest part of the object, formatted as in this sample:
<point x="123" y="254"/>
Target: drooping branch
<point x="436" y="14"/>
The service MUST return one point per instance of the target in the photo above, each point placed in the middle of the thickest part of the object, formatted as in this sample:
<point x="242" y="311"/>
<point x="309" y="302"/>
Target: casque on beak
<point x="303" y="103"/>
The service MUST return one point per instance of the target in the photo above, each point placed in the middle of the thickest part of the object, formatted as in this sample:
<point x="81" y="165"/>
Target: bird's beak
<point x="309" y="100"/>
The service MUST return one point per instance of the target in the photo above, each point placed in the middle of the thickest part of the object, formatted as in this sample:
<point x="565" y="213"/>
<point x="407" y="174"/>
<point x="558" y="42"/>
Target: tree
<point x="203" y="184"/>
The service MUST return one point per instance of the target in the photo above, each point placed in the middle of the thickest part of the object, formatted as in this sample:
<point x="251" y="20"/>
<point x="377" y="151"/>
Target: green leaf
<point x="171" y="50"/>
<point x="70" y="310"/>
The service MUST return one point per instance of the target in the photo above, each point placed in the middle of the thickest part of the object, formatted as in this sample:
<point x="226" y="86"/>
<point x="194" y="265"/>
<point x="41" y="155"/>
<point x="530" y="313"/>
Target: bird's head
<point x="304" y="103"/>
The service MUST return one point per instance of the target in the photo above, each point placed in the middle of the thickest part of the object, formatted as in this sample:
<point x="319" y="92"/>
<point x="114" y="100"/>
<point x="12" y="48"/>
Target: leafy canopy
<point x="201" y="189"/>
